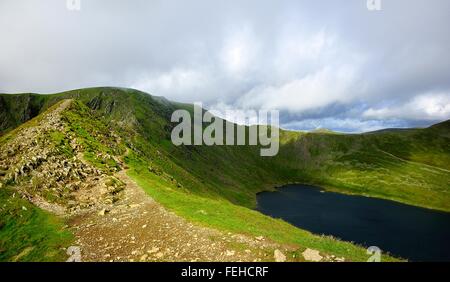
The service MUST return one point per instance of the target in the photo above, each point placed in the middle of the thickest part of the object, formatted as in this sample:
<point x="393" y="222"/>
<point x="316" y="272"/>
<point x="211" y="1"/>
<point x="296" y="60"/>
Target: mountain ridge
<point x="34" y="107"/>
<point x="59" y="175"/>
<point x="216" y="186"/>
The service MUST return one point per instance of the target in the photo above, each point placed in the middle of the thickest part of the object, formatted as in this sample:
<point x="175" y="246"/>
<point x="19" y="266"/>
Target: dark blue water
<point x="413" y="233"/>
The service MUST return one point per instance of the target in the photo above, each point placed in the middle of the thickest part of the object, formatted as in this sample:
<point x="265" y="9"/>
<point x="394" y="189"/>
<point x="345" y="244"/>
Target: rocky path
<point x="112" y="218"/>
<point x="139" y="229"/>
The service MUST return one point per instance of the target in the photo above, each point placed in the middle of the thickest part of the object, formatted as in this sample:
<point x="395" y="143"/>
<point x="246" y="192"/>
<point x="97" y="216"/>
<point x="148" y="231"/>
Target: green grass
<point x="383" y="165"/>
<point x="217" y="186"/>
<point x="93" y="134"/>
<point x="223" y="215"/>
<point x="409" y="166"/>
<point x="28" y="233"/>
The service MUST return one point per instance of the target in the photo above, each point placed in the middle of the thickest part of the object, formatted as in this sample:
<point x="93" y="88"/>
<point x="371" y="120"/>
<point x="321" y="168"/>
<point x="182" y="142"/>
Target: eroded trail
<point x="111" y="221"/>
<point x="112" y="218"/>
<point x="137" y="228"/>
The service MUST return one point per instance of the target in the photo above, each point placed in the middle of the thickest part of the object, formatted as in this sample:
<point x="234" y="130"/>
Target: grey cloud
<point x="302" y="57"/>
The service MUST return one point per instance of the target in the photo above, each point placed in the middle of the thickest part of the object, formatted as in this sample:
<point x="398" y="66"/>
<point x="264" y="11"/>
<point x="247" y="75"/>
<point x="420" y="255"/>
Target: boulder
<point x="312" y="255"/>
<point x="279" y="256"/>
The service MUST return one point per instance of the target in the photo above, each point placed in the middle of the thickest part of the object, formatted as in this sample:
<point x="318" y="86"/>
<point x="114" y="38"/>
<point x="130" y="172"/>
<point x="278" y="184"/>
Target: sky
<point x="322" y="63"/>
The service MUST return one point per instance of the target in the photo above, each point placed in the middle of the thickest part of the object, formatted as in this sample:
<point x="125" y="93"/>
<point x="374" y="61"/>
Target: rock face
<point x="279" y="256"/>
<point x="17" y="110"/>
<point x="312" y="255"/>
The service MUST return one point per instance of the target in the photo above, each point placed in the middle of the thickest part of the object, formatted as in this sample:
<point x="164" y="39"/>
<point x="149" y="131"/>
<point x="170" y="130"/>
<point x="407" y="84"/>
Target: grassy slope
<point x="211" y="211"/>
<point x="407" y="166"/>
<point x="214" y="185"/>
<point x="223" y="215"/>
<point x="29" y="234"/>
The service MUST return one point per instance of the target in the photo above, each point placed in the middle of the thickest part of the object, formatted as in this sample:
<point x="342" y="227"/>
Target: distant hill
<point x="385" y="130"/>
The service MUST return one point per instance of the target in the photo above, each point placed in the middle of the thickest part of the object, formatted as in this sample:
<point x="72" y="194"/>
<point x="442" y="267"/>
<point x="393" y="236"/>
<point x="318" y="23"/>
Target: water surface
<point x="410" y="232"/>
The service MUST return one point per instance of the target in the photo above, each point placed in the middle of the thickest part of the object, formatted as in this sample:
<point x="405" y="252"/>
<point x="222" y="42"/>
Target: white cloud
<point x="348" y="125"/>
<point x="298" y="52"/>
<point x="430" y="106"/>
<point x="294" y="56"/>
<point x="233" y="114"/>
<point x="175" y="84"/>
<point x="240" y="50"/>
<point x="328" y="85"/>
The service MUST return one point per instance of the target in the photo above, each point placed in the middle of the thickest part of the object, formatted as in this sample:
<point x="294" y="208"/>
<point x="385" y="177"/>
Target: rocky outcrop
<point x="45" y="162"/>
